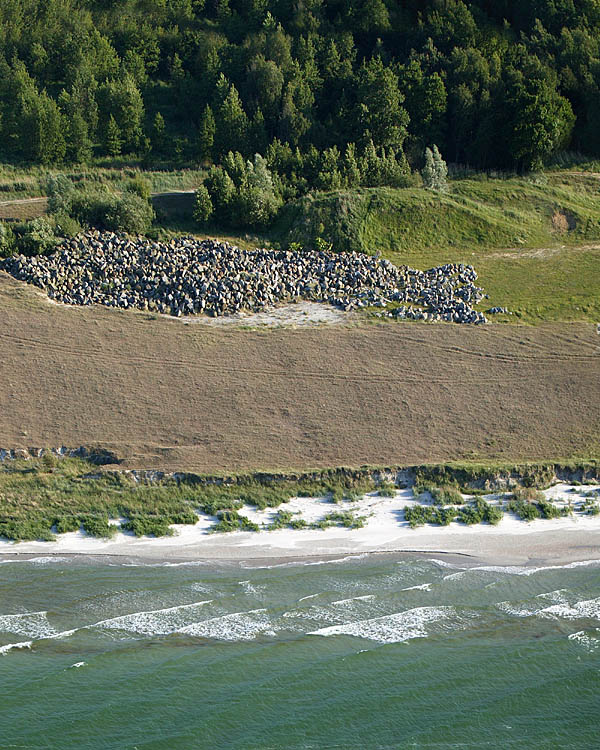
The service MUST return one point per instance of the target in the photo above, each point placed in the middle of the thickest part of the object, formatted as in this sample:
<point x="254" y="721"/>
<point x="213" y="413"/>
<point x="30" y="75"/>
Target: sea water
<point x="371" y="652"/>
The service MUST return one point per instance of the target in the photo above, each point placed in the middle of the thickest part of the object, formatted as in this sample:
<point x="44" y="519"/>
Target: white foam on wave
<point x="236" y="626"/>
<point x="304" y="563"/>
<point x="48" y="560"/>
<point x="527" y="571"/>
<point x="10" y="646"/>
<point x="562" y="608"/>
<point x="200" y="587"/>
<point x="583" y="610"/>
<point x="32" y="624"/>
<point x="446" y="564"/>
<point x="310" y="596"/>
<point x="454" y="576"/>
<point x="559" y="596"/>
<point x="154" y="622"/>
<point x="419" y="587"/>
<point x="590" y="643"/>
<point x="394" y="628"/>
<point x="250" y="588"/>
<point x="365" y="598"/>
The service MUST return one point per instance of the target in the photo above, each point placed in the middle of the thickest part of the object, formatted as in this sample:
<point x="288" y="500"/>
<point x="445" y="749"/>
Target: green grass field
<point x="535" y="241"/>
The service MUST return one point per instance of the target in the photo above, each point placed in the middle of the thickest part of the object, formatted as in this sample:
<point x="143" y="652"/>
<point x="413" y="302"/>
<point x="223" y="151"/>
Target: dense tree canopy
<point x="493" y="83"/>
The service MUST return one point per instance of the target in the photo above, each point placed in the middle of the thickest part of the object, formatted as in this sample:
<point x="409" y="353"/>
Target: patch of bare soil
<point x="296" y="314"/>
<point x="540" y="252"/>
<point x="23" y="209"/>
<point x="219" y="399"/>
<point x="563" y="221"/>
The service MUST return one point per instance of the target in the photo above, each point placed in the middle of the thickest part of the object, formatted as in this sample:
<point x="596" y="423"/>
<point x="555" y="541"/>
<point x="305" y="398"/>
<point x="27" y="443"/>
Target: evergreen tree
<point x="441" y="170"/>
<point x="121" y="99"/>
<point x="158" y="137"/>
<point x="233" y="123"/>
<point x="79" y="148"/>
<point x="330" y="177"/>
<point x="206" y="135"/>
<point x="221" y="189"/>
<point x="42" y="130"/>
<point x="258" y="132"/>
<point x="112" y="138"/>
<point x="435" y="170"/>
<point x="374" y="17"/>
<point x="258" y="199"/>
<point x="352" y="175"/>
<point x="379" y="112"/>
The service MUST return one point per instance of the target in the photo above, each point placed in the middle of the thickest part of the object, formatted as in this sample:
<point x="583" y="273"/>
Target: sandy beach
<point x="559" y="541"/>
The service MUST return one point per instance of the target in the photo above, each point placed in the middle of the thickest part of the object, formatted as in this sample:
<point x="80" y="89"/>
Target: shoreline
<point x="383" y="529"/>
<point x="541" y="542"/>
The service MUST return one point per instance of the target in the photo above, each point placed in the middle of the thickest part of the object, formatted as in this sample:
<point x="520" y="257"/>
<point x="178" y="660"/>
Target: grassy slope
<point x="502" y="227"/>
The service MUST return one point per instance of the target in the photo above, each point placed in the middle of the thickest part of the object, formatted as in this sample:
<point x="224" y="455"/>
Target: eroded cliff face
<point x="477" y="478"/>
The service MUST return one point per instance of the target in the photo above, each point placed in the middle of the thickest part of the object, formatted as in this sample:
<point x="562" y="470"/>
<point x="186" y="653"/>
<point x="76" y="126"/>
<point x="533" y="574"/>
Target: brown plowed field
<point x="167" y="395"/>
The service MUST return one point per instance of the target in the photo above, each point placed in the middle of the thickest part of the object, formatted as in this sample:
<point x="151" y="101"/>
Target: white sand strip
<point x="512" y="541"/>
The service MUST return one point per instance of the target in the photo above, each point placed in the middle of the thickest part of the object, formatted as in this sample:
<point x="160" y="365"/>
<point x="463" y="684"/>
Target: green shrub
<point x="418" y="515"/>
<point x="66" y="226"/>
<point x="27" y="530"/>
<point x="230" y="520"/>
<point x="282" y="520"/>
<point x="346" y="519"/>
<point x="98" y="526"/>
<point x="139" y="186"/>
<point x="444" y="516"/>
<point x="214" y="505"/>
<point x="203" y="207"/>
<point x="148" y="526"/>
<point x="526" y="511"/>
<point x="479" y="511"/>
<point x="263" y="497"/>
<point x="337" y="494"/>
<point x="494" y="515"/>
<point x="61" y="191"/>
<point x="49" y="461"/>
<point x="130" y="214"/>
<point x="64" y="524"/>
<point x="387" y="489"/>
<point x="298" y="523"/>
<point x="548" y="509"/>
<point x="36" y="237"/>
<point x="7" y="240"/>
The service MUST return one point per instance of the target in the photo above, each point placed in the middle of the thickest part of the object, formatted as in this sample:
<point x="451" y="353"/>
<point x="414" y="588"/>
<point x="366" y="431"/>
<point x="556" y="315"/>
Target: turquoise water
<point x="374" y="653"/>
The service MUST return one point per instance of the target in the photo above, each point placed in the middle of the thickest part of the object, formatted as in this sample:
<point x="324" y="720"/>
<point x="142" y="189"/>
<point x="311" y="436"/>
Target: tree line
<point x="493" y="83"/>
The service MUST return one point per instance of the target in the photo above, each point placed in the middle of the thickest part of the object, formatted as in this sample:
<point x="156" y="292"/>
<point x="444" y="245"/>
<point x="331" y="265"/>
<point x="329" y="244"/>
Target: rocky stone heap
<point x="188" y="276"/>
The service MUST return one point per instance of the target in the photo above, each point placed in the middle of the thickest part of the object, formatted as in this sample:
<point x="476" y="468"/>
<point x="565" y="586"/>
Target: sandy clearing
<point x="295" y="314"/>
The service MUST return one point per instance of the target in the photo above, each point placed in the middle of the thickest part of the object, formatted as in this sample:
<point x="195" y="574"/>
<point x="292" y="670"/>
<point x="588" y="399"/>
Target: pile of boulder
<point x="187" y="276"/>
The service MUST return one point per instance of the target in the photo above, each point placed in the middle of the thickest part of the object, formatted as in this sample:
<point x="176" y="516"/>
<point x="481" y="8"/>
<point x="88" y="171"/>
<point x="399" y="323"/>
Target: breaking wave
<point x="395" y="628"/>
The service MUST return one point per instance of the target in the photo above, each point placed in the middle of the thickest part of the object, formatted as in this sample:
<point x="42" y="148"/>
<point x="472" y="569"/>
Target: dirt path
<point x="540" y="252"/>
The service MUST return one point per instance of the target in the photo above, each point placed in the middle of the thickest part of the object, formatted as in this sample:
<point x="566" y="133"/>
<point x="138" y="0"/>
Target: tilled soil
<point x="172" y="396"/>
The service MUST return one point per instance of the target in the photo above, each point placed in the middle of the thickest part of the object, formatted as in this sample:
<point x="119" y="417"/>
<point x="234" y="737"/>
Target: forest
<point x="311" y="85"/>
